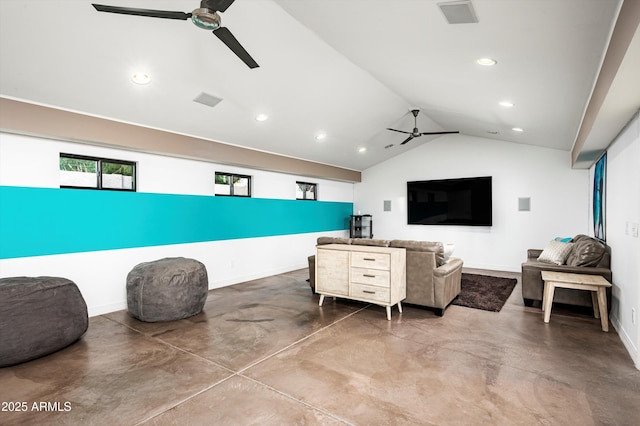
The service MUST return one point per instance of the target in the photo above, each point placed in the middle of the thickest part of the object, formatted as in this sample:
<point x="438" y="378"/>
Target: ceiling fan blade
<point x="438" y="133"/>
<point x="407" y="140"/>
<point x="232" y="43"/>
<point x="142" y="12"/>
<point x="399" y="131"/>
<point x="219" y="5"/>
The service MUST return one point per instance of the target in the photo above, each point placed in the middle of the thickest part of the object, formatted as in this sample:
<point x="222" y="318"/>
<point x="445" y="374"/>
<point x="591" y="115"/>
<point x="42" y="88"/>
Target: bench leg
<point x="594" y="302"/>
<point x="604" y="315"/>
<point x="548" y="301"/>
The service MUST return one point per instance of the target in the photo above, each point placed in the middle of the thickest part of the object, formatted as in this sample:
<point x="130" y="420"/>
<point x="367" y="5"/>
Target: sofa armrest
<point x="446" y="282"/>
<point x="533" y="253"/>
<point x="448" y="268"/>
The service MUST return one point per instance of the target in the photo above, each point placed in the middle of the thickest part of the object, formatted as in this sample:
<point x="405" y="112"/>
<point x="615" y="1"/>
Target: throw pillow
<point x="555" y="252"/>
<point x="563" y="239"/>
<point x="586" y="252"/>
<point x="448" y="251"/>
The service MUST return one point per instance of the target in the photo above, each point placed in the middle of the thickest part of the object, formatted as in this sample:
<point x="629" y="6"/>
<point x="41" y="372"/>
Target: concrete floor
<point x="264" y="353"/>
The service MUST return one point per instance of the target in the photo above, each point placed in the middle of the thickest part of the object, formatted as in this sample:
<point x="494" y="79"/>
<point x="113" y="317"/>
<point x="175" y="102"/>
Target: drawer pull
<point x="368" y="291"/>
<point x="368" y="275"/>
<point x="370" y="259"/>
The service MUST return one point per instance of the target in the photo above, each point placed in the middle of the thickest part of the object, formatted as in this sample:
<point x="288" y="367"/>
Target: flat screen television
<point x="464" y="201"/>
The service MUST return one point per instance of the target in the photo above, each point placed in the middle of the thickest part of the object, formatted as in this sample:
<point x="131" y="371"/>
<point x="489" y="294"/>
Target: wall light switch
<point x="634" y="229"/>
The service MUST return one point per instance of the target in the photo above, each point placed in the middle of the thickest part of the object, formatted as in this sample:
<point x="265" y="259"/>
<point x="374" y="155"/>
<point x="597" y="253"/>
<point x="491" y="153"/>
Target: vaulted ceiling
<point x="346" y="68"/>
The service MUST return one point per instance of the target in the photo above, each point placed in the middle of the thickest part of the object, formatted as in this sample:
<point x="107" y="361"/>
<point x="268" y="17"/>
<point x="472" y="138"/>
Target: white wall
<point x="622" y="213"/>
<point x="31" y="161"/>
<point x="101" y="275"/>
<point x="559" y="197"/>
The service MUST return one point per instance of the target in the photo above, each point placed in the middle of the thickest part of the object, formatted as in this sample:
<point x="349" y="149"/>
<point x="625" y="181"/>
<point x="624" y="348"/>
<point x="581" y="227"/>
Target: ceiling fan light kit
<point x="205" y="17"/>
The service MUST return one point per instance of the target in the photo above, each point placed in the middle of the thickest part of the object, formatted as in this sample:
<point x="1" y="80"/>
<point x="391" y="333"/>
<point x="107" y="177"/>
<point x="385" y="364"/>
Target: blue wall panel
<point x="43" y="221"/>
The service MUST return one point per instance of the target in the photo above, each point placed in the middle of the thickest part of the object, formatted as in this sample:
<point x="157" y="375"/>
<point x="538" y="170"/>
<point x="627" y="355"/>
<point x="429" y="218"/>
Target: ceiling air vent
<point x="207" y="99"/>
<point x="459" y="12"/>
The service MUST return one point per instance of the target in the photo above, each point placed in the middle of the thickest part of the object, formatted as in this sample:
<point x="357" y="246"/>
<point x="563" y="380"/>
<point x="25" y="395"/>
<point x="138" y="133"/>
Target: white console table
<point x="365" y="273"/>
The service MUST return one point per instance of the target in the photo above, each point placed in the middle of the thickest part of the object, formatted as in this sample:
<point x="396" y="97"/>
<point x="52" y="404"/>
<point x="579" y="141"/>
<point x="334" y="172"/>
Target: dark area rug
<point x="484" y="292"/>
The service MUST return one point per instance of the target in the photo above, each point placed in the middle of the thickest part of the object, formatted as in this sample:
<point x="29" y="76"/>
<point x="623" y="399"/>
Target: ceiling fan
<point x="416" y="133"/>
<point x="205" y="17"/>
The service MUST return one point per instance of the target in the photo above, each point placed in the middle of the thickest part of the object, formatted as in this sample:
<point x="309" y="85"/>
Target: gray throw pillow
<point x="586" y="252"/>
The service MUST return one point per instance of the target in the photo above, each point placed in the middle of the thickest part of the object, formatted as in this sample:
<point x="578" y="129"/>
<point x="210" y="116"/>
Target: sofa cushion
<point x="555" y="252"/>
<point x="586" y="251"/>
<point x="425" y="246"/>
<point x="333" y="240"/>
<point x="369" y="242"/>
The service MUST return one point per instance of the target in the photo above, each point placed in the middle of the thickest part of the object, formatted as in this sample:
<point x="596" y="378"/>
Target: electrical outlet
<point x="634" y="229"/>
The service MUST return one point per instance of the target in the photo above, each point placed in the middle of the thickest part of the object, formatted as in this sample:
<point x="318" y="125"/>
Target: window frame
<point x="99" y="161"/>
<point x="304" y="193"/>
<point x="231" y="185"/>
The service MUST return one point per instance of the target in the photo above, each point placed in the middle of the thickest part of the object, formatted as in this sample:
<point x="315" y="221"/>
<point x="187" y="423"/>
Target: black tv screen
<point x="465" y="201"/>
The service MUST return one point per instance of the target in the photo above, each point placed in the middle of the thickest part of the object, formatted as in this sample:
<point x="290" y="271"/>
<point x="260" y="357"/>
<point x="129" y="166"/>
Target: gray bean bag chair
<point x="39" y="316"/>
<point x="167" y="289"/>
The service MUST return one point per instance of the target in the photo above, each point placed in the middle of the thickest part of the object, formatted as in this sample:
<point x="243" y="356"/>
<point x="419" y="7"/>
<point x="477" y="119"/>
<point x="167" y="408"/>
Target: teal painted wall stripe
<point x="44" y="221"/>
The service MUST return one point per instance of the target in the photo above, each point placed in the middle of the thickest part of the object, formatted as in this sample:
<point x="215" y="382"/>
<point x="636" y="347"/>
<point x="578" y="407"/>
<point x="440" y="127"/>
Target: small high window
<point x="79" y="171"/>
<point x="306" y="191"/>
<point x="233" y="185"/>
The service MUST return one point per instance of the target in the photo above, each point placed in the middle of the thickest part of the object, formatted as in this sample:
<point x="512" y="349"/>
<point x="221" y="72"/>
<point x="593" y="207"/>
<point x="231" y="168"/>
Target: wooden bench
<point x="596" y="284"/>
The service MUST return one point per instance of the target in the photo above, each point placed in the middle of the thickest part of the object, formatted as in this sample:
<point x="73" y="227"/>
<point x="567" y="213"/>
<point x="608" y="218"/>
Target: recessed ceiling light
<point x="487" y="62"/>
<point x="141" y="78"/>
<point x="506" y="104"/>
<point x="517" y="129"/>
<point x="321" y="136"/>
<point x="262" y="117"/>
<point x="363" y="149"/>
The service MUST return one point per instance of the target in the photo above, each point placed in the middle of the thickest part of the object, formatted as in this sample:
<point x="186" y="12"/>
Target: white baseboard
<point x="261" y="274"/>
<point x="94" y="311"/>
<point x="626" y="341"/>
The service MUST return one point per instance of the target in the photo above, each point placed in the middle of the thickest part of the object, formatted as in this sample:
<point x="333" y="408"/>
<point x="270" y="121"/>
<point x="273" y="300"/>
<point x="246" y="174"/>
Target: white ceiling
<point x="350" y="68"/>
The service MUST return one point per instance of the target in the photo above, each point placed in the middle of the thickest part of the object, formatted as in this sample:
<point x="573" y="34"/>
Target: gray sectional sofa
<point x="432" y="280"/>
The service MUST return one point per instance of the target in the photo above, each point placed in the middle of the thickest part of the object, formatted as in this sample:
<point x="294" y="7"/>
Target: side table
<point x="596" y="284"/>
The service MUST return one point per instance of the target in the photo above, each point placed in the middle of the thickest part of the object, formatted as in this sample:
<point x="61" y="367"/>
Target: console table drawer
<point x="370" y="276"/>
<point x="371" y="260"/>
<point x="370" y="293"/>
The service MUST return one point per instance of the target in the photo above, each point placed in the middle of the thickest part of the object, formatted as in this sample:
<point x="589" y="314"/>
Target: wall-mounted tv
<point x="464" y="201"/>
